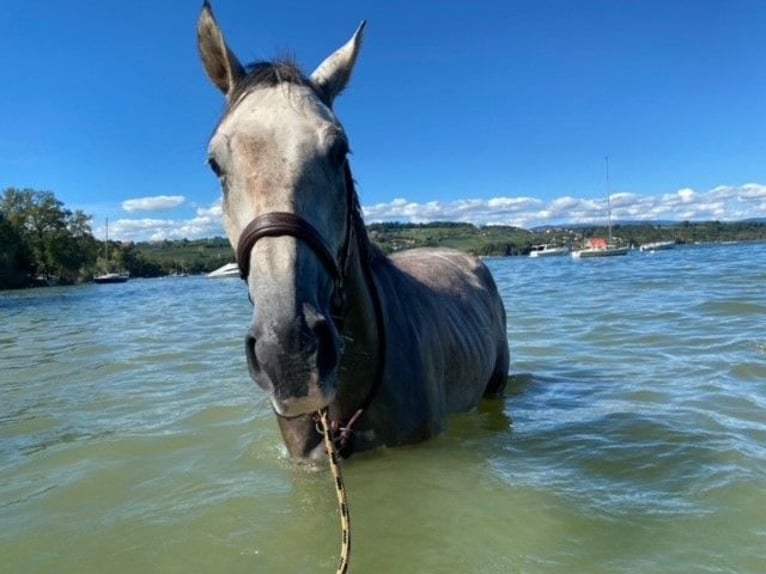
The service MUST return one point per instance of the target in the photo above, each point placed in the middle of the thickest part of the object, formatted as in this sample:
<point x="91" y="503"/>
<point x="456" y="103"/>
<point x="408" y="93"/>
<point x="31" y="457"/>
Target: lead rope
<point x="340" y="490"/>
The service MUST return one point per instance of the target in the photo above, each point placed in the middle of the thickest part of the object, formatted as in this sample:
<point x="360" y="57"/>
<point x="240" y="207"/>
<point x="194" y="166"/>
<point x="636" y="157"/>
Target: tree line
<point x="506" y="240"/>
<point x="43" y="242"/>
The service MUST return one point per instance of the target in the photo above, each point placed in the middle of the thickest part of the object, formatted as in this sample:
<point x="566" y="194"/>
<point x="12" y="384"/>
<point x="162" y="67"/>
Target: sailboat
<point x="109" y="277"/>
<point x="600" y="246"/>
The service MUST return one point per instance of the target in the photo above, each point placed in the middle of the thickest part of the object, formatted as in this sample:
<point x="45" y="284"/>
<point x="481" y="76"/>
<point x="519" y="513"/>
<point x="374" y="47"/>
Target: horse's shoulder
<point x="444" y="270"/>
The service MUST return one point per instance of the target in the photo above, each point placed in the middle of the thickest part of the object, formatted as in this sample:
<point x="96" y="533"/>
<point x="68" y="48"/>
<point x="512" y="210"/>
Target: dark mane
<point x="368" y="251"/>
<point x="268" y="74"/>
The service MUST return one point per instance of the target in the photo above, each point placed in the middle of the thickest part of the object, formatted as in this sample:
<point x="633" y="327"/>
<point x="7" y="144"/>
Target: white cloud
<point x="206" y="223"/>
<point x="753" y="191"/>
<point x="686" y="195"/>
<point x="155" y="203"/>
<point x="214" y="211"/>
<point x="459" y="210"/>
<point x="722" y="203"/>
<point x="725" y="203"/>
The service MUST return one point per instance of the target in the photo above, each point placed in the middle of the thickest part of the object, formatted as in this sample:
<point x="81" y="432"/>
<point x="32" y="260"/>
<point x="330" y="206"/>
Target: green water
<point x="631" y="438"/>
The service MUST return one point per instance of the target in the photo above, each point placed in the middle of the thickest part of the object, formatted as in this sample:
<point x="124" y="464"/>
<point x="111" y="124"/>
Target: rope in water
<point x="340" y="490"/>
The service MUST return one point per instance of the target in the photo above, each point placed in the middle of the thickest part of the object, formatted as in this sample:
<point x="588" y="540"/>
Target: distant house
<point x="596" y="243"/>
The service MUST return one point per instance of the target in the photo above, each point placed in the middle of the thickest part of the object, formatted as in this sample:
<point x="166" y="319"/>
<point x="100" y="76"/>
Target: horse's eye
<point x="215" y="167"/>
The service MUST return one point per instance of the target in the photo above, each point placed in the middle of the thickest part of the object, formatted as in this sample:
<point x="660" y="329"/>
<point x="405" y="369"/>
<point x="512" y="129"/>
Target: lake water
<point x="632" y="437"/>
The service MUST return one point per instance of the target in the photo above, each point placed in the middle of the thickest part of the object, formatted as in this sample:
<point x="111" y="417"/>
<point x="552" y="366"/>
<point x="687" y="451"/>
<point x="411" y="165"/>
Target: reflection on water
<point x="631" y="437"/>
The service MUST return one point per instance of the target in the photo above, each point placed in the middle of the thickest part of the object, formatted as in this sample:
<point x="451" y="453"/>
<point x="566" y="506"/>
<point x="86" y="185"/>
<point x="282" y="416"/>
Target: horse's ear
<point x="220" y="63"/>
<point x="333" y="74"/>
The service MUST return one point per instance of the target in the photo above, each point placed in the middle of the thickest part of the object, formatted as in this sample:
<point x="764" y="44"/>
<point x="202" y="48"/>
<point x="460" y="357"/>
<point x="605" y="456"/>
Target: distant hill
<point x="506" y="240"/>
<point x="148" y="259"/>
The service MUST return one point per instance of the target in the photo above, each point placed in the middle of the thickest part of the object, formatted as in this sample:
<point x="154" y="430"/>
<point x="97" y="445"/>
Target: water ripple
<point x="631" y="439"/>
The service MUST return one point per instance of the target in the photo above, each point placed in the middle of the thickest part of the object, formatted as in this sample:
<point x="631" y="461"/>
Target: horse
<point x="387" y="346"/>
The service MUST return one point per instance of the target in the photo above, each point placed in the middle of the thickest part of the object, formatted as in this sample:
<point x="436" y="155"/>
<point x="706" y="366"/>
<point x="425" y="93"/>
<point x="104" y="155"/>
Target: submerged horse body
<point x="390" y="345"/>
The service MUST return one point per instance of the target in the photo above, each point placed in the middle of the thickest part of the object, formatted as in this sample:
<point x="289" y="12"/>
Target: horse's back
<point x="451" y="324"/>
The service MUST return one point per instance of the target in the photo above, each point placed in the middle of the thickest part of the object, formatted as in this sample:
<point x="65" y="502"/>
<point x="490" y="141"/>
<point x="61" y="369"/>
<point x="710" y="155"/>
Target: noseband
<point x="281" y="223"/>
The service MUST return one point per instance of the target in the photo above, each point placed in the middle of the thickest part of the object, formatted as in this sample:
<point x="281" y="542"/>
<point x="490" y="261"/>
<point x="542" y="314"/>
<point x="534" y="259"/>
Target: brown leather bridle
<point x="279" y="224"/>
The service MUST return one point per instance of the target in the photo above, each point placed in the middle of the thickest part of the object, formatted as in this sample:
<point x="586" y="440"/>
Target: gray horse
<point x="389" y="345"/>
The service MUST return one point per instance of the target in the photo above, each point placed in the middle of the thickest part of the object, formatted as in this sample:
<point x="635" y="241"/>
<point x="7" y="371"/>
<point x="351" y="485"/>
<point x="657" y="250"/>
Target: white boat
<point x="657" y="245"/>
<point x="110" y="277"/>
<point x="547" y="250"/>
<point x="600" y="246"/>
<point x="228" y="270"/>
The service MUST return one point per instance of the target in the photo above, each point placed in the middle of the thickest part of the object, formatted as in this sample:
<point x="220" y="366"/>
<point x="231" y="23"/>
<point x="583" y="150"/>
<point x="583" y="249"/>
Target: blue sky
<point x="488" y="112"/>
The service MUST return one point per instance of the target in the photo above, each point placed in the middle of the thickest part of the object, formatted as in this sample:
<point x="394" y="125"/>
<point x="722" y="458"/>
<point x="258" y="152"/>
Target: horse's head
<point x="280" y="155"/>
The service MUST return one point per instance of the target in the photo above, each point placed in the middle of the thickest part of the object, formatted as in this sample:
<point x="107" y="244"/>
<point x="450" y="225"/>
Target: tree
<point x="15" y="259"/>
<point x="43" y="238"/>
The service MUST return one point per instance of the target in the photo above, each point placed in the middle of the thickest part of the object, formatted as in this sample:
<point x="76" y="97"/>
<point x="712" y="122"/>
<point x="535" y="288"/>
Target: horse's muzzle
<point x="295" y="363"/>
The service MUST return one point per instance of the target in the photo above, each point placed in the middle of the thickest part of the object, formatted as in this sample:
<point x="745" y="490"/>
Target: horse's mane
<point x="368" y="251"/>
<point x="268" y="74"/>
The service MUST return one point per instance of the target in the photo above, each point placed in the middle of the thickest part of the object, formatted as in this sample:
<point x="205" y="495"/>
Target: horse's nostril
<point x="252" y="358"/>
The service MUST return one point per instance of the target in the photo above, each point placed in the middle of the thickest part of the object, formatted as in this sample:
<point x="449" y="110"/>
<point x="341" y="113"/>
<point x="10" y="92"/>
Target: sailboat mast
<point x="106" y="244"/>
<point x="608" y="201"/>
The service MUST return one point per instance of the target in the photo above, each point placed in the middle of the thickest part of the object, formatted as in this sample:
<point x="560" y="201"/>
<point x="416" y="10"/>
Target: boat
<point x="600" y="246"/>
<point x="548" y="250"/>
<point x="110" y="277"/>
<point x="179" y="272"/>
<point x="228" y="270"/>
<point x="657" y="246"/>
